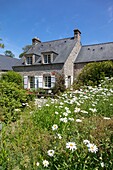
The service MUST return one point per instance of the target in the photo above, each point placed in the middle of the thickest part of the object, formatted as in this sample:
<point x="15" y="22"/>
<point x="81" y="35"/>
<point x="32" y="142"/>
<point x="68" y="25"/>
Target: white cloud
<point x="110" y="14"/>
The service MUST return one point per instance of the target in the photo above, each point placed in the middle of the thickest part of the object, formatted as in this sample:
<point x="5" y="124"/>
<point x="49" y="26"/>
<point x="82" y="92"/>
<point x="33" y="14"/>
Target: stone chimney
<point x="77" y="34"/>
<point x="35" y="41"/>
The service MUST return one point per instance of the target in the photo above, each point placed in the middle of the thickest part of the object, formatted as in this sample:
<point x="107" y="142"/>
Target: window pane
<point x="31" y="82"/>
<point x="49" y="59"/>
<point x="45" y="58"/>
<point x="29" y="60"/>
<point x="47" y="80"/>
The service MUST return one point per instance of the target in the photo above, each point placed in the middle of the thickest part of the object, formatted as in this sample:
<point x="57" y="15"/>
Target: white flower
<point x="51" y="152"/>
<point x="78" y="120"/>
<point x="71" y="146"/>
<point x="37" y="164"/>
<point x="71" y="119"/>
<point x="45" y="163"/>
<point x="93" y="110"/>
<point x="63" y="119"/>
<point x="106" y="118"/>
<point x="47" y="104"/>
<point x="92" y="148"/>
<point x="65" y="114"/>
<point x="83" y="111"/>
<point x="102" y="164"/>
<point x="86" y="141"/>
<point x="59" y="136"/>
<point x="77" y="110"/>
<point x="54" y="127"/>
<point x="56" y="112"/>
<point x="17" y="110"/>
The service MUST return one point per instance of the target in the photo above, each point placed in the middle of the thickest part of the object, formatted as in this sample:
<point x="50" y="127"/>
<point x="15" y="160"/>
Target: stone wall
<point x="38" y="70"/>
<point x="69" y="64"/>
<point x="77" y="69"/>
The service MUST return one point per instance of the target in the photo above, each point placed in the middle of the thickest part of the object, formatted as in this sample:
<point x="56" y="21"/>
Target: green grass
<point x="81" y="115"/>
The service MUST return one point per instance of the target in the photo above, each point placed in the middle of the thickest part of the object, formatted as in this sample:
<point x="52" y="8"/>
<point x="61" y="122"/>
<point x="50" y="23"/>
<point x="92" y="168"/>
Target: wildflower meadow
<point x="71" y="132"/>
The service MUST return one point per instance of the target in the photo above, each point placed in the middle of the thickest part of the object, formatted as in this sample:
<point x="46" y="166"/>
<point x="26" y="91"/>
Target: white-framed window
<point x="47" y="58"/>
<point x="32" y="82"/>
<point x="47" y="81"/>
<point x="29" y="60"/>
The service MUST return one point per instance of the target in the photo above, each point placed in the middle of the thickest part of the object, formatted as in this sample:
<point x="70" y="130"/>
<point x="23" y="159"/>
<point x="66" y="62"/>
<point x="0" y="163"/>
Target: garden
<point x="71" y="132"/>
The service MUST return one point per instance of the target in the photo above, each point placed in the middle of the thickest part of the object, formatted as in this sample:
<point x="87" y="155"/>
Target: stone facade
<point x="69" y="65"/>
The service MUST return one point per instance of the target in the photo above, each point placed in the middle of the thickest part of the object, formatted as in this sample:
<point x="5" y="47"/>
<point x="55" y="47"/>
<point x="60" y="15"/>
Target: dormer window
<point x="29" y="60"/>
<point x="47" y="58"/>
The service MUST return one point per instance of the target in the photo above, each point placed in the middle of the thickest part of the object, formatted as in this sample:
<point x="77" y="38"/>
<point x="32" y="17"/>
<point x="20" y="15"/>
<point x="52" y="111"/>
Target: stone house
<point x="65" y="56"/>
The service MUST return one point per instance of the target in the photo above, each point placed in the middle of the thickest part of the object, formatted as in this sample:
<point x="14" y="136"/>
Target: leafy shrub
<point x="92" y="73"/>
<point x="11" y="99"/>
<point x="12" y="76"/>
<point x="59" y="83"/>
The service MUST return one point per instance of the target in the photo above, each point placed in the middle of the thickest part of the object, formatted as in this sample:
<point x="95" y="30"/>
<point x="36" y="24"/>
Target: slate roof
<point x="62" y="48"/>
<point x="96" y="52"/>
<point x="6" y="63"/>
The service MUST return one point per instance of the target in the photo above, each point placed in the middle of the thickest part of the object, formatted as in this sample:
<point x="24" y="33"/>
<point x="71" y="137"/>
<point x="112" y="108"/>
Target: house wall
<point x="69" y="64"/>
<point x="77" y="69"/>
<point x="38" y="69"/>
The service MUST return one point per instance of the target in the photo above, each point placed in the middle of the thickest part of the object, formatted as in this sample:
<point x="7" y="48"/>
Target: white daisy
<point x="37" y="164"/>
<point x="102" y="164"/>
<point x="54" y="127"/>
<point x="86" y="141"/>
<point x="71" y="146"/>
<point x="92" y="148"/>
<point x="78" y="120"/>
<point x="45" y="163"/>
<point x="51" y="153"/>
<point x="59" y="136"/>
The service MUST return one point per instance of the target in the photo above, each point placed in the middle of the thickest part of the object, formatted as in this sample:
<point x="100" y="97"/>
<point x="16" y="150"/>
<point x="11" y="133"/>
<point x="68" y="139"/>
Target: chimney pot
<point x="35" y="41"/>
<point x="77" y="34"/>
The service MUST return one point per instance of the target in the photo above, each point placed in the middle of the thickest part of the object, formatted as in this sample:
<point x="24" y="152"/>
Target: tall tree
<point x="1" y="44"/>
<point x="25" y="49"/>
<point x="9" y="53"/>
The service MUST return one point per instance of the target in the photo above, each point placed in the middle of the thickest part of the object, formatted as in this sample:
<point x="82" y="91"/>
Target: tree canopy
<point x="9" y="53"/>
<point x="1" y="44"/>
<point x="25" y="49"/>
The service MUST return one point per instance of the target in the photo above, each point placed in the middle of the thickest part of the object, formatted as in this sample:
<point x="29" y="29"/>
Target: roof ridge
<point x="97" y="44"/>
<point x="58" y="40"/>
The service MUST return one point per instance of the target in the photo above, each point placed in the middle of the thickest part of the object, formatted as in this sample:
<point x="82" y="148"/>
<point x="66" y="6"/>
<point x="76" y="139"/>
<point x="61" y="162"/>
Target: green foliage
<point x="12" y="76"/>
<point x="12" y="99"/>
<point x="9" y="53"/>
<point x="84" y="114"/>
<point x="59" y="83"/>
<point x="1" y="44"/>
<point x="25" y="49"/>
<point x="92" y="73"/>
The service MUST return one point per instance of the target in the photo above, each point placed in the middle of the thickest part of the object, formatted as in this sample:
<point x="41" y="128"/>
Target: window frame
<point x="29" y="60"/>
<point x="47" y="81"/>
<point x="32" y="82"/>
<point x="48" y="58"/>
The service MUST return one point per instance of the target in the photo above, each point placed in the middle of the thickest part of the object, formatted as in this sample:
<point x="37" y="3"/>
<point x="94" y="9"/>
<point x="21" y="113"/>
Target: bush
<point x="59" y="83"/>
<point x="92" y="73"/>
<point x="12" y="98"/>
<point x="12" y="76"/>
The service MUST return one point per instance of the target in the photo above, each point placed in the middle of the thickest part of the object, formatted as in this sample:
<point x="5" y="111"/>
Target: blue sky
<point x="21" y="20"/>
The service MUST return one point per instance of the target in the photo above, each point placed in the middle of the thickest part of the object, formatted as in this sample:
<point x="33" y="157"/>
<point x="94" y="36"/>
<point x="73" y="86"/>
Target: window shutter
<point x="36" y="82"/>
<point x="25" y="82"/>
<point x="66" y="81"/>
<point x="52" y="81"/>
<point x="40" y="81"/>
